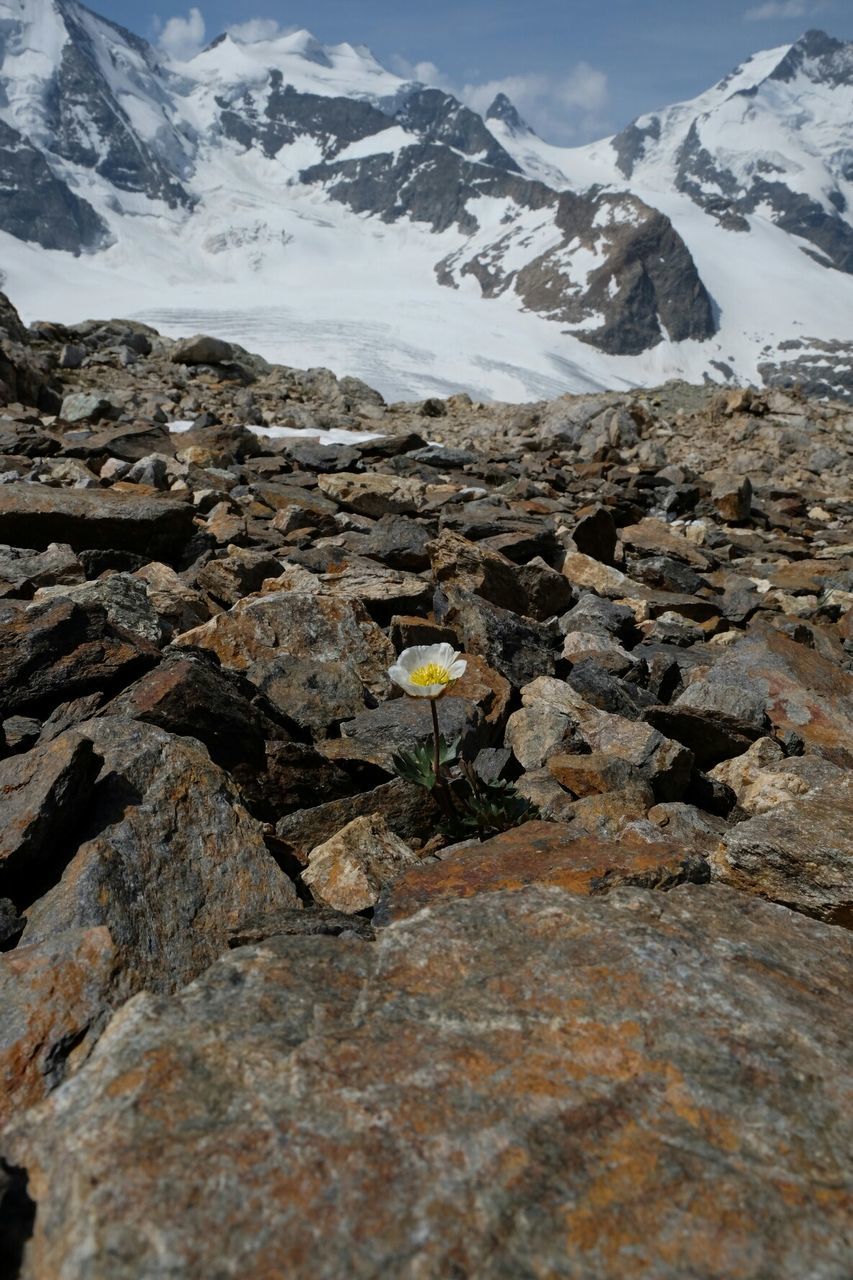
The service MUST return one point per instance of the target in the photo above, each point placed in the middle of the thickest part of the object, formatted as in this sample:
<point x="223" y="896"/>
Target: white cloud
<point x="182" y="38"/>
<point x="558" y="107"/>
<point x="257" y="29"/>
<point x="777" y="9"/>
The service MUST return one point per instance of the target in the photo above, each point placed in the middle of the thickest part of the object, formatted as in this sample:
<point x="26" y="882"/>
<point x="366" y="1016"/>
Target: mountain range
<point x="305" y="200"/>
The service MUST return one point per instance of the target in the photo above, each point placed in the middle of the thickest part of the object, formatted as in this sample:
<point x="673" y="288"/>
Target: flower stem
<point x="442" y="790"/>
<point x="436" y="737"/>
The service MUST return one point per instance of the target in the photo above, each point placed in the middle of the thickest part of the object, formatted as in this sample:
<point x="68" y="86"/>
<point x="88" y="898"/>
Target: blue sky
<point x="577" y="69"/>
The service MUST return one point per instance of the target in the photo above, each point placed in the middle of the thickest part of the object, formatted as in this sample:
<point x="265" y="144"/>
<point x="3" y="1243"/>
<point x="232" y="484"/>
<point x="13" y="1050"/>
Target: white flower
<point x="426" y="670"/>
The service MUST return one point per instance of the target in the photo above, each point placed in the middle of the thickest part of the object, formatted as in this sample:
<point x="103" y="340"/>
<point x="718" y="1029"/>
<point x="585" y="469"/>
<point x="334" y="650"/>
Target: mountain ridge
<point x="241" y="154"/>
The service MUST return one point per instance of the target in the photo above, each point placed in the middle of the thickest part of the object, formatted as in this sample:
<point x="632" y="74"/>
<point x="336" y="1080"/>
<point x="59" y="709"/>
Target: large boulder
<point x="169" y="863"/>
<point x="520" y="1084"/>
<point x="33" y="515"/>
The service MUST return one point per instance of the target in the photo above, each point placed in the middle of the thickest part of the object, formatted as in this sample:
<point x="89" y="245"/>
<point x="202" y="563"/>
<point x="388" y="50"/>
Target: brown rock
<point x="800" y="854"/>
<point x="51" y="996"/>
<point x="174" y="860"/>
<point x="652" y="536"/>
<point x="804" y="693"/>
<point x="732" y="497"/>
<point x="529" y="1083"/>
<point x="349" y="871"/>
<point x="537" y="853"/>
<point x="298" y="626"/>
<point x="589" y="775"/>
<point x="471" y="567"/>
<point x="60" y="650"/>
<point x="373" y="494"/>
<point x="43" y="795"/>
<point x="33" y="515"/>
<point x="408" y="810"/>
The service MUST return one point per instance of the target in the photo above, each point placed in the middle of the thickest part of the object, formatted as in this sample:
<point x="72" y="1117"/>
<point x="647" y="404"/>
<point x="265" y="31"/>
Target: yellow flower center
<point x="432" y="673"/>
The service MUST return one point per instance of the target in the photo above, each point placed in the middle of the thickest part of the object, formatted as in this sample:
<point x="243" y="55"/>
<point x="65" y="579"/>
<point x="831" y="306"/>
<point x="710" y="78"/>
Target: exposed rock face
<point x="476" y="1093"/>
<point x="35" y="205"/>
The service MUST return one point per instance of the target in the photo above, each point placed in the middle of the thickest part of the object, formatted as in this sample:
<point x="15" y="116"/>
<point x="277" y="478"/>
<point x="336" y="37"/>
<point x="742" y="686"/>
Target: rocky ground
<point x="259" y="1018"/>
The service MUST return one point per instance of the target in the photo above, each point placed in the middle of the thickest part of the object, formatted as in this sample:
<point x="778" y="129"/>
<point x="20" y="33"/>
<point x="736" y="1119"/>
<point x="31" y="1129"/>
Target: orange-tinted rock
<point x="538" y="853"/>
<point x="50" y="995"/>
<point x="804" y="693"/>
<point x="522" y="1084"/>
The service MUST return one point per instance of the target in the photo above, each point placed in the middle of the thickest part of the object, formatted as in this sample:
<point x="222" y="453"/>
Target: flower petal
<point x="458" y="668"/>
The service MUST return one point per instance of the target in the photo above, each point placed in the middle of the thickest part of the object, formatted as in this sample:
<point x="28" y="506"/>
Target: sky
<point x="576" y="69"/>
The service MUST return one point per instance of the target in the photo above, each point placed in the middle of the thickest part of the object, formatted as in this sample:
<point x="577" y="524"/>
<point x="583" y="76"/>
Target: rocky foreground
<point x="258" y="1018"/>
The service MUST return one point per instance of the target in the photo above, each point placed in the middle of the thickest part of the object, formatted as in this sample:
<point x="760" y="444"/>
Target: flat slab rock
<point x="518" y="1085"/>
<point x="33" y="515"/>
<point x="542" y="853"/>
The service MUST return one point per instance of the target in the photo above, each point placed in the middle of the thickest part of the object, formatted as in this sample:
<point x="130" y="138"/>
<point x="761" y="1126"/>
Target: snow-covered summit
<point x="263" y="169"/>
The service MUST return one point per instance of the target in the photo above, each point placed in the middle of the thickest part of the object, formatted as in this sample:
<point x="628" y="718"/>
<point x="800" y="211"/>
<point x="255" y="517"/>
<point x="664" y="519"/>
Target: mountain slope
<point x="302" y="195"/>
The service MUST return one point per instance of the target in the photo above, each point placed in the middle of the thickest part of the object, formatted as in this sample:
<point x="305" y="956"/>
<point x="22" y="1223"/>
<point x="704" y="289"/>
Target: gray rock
<point x="123" y="599"/>
<point x="87" y="406"/>
<point x="201" y="349"/>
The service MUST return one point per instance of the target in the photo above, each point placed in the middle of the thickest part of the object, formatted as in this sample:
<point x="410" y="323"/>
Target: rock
<point x="44" y="794"/>
<point x="591" y="613"/>
<point x="35" y="516"/>
<point x="201" y="349"/>
<point x="21" y="733"/>
<point x="309" y="921"/>
<point x="709" y="734"/>
<point x="491" y="1083"/>
<point x="11" y="924"/>
<point x="52" y="996"/>
<point x="404" y="723"/>
<point x="609" y="815"/>
<point x="170" y="861"/>
<point x="589" y="775"/>
<point x="742" y="770"/>
<point x="800" y="854"/>
<point x="588" y="574"/>
<point x="191" y="697"/>
<point x="371" y="493"/>
<point x="595" y="534"/>
<point x="383" y="592"/>
<point x="537" y="853"/>
<point x="732" y="498"/>
<point x="408" y="810"/>
<point x="292" y="628"/>
<point x="22" y="571"/>
<point x="349" y="871"/>
<point x="803" y="692"/>
<point x="471" y="568"/>
<point x="178" y="606"/>
<point x="545" y="591"/>
<point x="60" y="650"/>
<point x="87" y="407"/>
<point x="652" y="536"/>
<point x="518" y="648"/>
<point x="787" y="780"/>
<point x="553" y="715"/>
<point x="123" y="598"/>
<point x="237" y="574"/>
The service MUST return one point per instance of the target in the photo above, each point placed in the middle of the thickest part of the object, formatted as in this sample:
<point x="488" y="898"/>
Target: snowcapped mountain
<point x="306" y="201"/>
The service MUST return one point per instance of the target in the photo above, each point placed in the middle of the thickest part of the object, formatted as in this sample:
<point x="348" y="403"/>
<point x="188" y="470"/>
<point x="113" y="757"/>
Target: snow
<point x="335" y="435"/>
<point x="282" y="269"/>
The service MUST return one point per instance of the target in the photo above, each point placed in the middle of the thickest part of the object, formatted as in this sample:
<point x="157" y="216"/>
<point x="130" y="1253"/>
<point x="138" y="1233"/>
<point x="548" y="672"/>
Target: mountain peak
<point x="503" y="109"/>
<point x="818" y="56"/>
